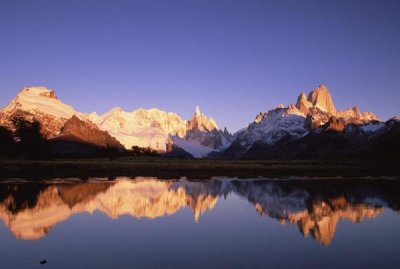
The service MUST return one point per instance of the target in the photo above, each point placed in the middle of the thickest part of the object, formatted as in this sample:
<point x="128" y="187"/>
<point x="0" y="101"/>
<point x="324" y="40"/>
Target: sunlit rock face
<point x="30" y="211"/>
<point x="201" y="122"/>
<point x="84" y="131"/>
<point x="303" y="104"/>
<point x="321" y="98"/>
<point x="355" y="116"/>
<point x="334" y="124"/>
<point x="319" y="109"/>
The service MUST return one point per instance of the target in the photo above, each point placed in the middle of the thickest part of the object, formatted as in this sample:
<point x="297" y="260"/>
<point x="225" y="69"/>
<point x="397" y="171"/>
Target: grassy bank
<point x="175" y="168"/>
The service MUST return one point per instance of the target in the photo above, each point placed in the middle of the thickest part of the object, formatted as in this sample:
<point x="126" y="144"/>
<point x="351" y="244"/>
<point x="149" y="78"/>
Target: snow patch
<point x="193" y="147"/>
<point x="371" y="127"/>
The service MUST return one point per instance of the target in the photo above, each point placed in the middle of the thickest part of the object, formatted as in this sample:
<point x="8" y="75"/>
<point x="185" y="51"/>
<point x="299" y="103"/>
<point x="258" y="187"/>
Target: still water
<point x="216" y="223"/>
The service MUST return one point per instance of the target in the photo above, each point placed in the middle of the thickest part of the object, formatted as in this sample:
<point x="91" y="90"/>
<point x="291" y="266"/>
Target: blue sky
<point x="233" y="58"/>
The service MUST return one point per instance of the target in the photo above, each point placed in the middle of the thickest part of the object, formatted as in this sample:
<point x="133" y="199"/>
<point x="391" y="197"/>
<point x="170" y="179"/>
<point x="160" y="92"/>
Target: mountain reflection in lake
<point x="219" y="208"/>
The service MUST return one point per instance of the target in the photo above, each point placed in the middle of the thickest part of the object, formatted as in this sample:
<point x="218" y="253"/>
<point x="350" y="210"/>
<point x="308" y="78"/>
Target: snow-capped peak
<point x="41" y="104"/>
<point x="40" y="100"/>
<point x="39" y="91"/>
<point x="272" y="126"/>
<point x="116" y="109"/>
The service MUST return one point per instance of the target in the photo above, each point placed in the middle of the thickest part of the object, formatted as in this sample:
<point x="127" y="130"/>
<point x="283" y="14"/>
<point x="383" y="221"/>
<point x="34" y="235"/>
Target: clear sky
<point x="233" y="58"/>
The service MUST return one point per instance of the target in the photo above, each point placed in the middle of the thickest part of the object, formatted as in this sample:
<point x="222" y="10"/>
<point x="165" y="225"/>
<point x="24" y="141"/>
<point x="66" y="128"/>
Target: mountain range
<point x="311" y="128"/>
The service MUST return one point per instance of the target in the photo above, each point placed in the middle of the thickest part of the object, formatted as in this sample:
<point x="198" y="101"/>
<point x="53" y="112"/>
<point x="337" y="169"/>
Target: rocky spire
<point x="321" y="98"/>
<point x="197" y="112"/>
<point x="201" y="121"/>
<point x="226" y="131"/>
<point x="303" y="104"/>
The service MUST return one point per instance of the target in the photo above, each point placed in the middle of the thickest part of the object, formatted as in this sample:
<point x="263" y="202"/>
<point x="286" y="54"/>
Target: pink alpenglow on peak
<point x="201" y="121"/>
<point x="281" y="106"/>
<point x="141" y="127"/>
<point x="321" y="98"/>
<point x="303" y="104"/>
<point x="319" y="107"/>
<point x="41" y="104"/>
<point x="39" y="91"/>
<point x="197" y="112"/>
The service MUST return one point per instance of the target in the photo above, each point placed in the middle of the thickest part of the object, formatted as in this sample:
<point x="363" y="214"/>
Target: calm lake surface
<point x="217" y="223"/>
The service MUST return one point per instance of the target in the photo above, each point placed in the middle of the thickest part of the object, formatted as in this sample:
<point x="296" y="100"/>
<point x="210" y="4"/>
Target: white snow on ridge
<point x="146" y="137"/>
<point x="396" y="118"/>
<point x="143" y="128"/>
<point x="272" y="126"/>
<point x="37" y="99"/>
<point x="40" y="104"/>
<point x="372" y="127"/>
<point x="193" y="147"/>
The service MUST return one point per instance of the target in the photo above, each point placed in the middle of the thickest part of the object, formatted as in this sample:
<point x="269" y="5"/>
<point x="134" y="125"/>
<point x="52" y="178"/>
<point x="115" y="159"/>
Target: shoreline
<point x="196" y="169"/>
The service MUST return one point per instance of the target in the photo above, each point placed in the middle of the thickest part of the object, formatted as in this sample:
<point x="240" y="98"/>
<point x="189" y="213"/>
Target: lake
<point x="215" y="223"/>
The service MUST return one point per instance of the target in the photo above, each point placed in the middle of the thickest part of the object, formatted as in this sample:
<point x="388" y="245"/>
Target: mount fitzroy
<point x="311" y="128"/>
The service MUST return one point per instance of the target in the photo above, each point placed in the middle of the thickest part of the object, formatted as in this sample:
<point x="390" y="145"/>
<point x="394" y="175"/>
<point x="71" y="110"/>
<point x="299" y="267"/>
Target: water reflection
<point x="30" y="210"/>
